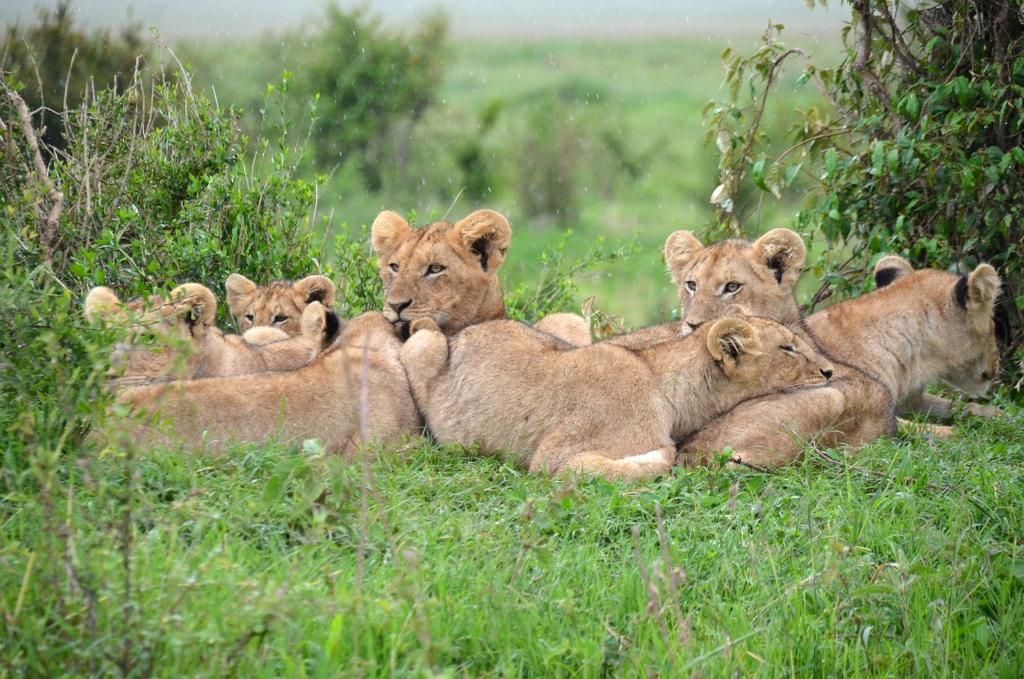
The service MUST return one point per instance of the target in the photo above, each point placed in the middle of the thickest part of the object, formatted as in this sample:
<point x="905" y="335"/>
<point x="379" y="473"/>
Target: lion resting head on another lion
<point x="444" y="271"/>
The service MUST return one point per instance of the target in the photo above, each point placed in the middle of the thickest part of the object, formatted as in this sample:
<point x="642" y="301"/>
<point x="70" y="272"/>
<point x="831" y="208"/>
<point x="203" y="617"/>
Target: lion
<point x="278" y="304"/>
<point x="601" y="409"/>
<point x="759" y="276"/>
<point x="444" y="271"/>
<point x="176" y="338"/>
<point x="354" y="393"/>
<point x="888" y="269"/>
<point x="923" y="327"/>
<point x="448" y="272"/>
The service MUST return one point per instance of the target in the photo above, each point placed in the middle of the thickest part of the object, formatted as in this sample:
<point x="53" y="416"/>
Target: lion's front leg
<point x="924" y="403"/>
<point x="771" y="431"/>
<point x="424" y="355"/>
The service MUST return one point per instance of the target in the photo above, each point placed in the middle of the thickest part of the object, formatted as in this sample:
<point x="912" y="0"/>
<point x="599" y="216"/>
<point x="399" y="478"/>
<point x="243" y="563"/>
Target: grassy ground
<point x="906" y="560"/>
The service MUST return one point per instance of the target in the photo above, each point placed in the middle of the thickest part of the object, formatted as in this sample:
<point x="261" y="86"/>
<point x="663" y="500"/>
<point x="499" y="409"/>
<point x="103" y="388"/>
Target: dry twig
<point x="51" y="221"/>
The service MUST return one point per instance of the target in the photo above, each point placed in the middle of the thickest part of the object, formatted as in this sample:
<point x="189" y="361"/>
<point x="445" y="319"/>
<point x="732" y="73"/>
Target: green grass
<point x="908" y="563"/>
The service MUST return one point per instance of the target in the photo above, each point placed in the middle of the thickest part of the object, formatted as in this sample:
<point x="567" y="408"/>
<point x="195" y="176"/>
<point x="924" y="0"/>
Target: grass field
<point x="906" y="560"/>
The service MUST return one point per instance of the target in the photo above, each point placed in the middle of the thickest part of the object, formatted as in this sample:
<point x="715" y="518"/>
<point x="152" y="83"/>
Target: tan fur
<point x="764" y="272"/>
<point x="462" y="288"/>
<point x="571" y="328"/>
<point x="278" y="304"/>
<point x="887" y="346"/>
<point x="601" y="409"/>
<point x="320" y="400"/>
<point x="176" y="339"/>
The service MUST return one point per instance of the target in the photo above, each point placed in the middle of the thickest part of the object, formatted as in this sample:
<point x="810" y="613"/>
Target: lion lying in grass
<point x="278" y="304"/>
<point x="601" y="409"/>
<point x="322" y="399"/>
<point x="924" y="327"/>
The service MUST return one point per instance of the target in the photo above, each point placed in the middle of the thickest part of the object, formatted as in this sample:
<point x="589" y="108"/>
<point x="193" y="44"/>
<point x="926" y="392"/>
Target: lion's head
<point x="445" y="271"/>
<point x="758" y="275"/>
<point x="160" y="334"/>
<point x="278" y="304"/>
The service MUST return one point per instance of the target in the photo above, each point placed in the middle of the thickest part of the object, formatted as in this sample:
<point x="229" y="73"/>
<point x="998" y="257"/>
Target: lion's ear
<point x="317" y="289"/>
<point x="101" y="303"/>
<point x="889" y="268"/>
<point x="977" y="291"/>
<point x="783" y="251"/>
<point x="196" y="305"/>
<point x="314" y="319"/>
<point x="487" y="234"/>
<point x="680" y="249"/>
<point x="388" y="231"/>
<point x="239" y="293"/>
<point x="731" y="337"/>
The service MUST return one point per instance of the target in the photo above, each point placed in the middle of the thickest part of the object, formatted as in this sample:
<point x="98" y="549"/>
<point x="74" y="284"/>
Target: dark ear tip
<point x="960" y="291"/>
<point x="333" y="327"/>
<point x="884" y="277"/>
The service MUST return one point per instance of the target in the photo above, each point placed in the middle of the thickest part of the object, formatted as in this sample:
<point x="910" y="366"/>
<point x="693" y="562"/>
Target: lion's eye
<point x="394" y="266"/>
<point x="249" y="317"/>
<point x="788" y="348"/>
<point x="435" y="268"/>
<point x="691" y="286"/>
<point x="279" y="319"/>
<point x="732" y="286"/>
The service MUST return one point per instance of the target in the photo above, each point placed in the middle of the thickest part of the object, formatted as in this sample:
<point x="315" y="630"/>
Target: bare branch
<point x="51" y="221"/>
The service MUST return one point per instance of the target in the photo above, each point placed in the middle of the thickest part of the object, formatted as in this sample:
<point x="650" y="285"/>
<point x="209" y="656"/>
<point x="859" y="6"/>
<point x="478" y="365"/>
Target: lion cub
<point x="601" y="409"/>
<point x="922" y="327"/>
<point x="176" y="338"/>
<point x="278" y="304"/>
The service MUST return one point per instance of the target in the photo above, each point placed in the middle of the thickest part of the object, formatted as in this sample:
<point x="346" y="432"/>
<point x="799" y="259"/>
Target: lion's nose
<point x="826" y="373"/>
<point x="399" y="307"/>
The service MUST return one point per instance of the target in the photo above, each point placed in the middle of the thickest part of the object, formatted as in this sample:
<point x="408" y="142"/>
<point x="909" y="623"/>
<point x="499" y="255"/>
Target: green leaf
<point x="758" y="172"/>
<point x="910" y="105"/>
<point x="831" y="161"/>
<point x="790" y="174"/>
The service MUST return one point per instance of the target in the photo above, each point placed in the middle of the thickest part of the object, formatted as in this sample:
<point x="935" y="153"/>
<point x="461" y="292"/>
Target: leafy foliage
<point x="60" y="64"/>
<point x="372" y="83"/>
<point x="921" y="152"/>
<point x="158" y="191"/>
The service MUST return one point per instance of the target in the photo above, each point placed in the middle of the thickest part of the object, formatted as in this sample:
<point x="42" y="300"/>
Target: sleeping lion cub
<point x="601" y="409"/>
<point x="925" y="326"/>
<point x="177" y="338"/>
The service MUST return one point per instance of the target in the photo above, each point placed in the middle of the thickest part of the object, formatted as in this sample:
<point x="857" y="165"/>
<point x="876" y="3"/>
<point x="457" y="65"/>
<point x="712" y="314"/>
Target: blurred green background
<point x="581" y="122"/>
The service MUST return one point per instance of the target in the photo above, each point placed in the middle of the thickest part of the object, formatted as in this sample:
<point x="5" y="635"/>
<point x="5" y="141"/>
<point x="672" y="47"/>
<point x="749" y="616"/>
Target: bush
<point x="374" y="86"/>
<point x="922" y="153"/>
<point x="59" y="63"/>
<point x="170" y="196"/>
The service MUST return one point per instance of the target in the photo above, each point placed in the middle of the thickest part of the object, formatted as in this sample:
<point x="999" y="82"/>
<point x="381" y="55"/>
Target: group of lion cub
<point x="742" y="370"/>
